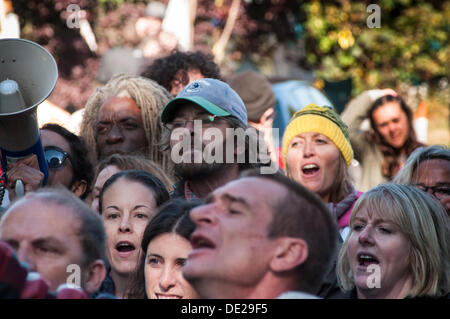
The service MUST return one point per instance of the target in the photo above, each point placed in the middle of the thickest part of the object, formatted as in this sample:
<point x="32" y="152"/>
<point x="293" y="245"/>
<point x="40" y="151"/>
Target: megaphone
<point x="28" y="75"/>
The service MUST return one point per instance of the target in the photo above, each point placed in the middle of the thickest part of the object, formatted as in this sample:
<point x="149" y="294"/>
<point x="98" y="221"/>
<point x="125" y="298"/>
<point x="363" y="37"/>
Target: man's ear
<point x="95" y="276"/>
<point x="79" y="187"/>
<point x="289" y="253"/>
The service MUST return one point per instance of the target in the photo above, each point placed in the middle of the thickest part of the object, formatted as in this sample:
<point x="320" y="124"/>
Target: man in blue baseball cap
<point x="198" y="135"/>
<point x="214" y="96"/>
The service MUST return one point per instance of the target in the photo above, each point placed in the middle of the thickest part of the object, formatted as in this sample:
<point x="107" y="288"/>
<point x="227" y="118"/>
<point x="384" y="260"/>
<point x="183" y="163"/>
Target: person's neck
<point x="201" y="188"/>
<point x="267" y="288"/>
<point x="399" y="291"/>
<point x="121" y="284"/>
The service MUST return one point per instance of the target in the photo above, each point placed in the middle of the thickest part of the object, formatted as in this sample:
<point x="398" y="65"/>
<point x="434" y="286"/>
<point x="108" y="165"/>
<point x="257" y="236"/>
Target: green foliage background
<point x="329" y="38"/>
<point x="412" y="45"/>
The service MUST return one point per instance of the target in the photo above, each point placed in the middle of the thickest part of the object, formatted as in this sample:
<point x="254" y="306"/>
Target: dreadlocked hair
<point x="149" y="96"/>
<point x="391" y="156"/>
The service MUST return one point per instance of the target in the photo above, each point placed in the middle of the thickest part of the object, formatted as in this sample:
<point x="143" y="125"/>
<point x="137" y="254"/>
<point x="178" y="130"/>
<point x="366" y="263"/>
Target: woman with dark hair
<point x="165" y="247"/>
<point x="121" y="162"/>
<point x="384" y="148"/>
<point x="68" y="160"/>
<point x="127" y="202"/>
<point x="79" y="157"/>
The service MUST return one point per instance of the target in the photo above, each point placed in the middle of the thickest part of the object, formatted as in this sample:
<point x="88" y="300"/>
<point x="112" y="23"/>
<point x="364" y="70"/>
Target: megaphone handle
<point x="19" y="188"/>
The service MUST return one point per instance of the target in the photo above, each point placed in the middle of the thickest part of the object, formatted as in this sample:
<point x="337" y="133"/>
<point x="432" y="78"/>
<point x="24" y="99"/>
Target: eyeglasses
<point x="439" y="191"/>
<point x="55" y="157"/>
<point x="206" y="122"/>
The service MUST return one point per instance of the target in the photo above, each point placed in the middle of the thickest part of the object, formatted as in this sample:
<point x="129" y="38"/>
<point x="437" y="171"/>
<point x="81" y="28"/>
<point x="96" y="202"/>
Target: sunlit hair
<point x="409" y="172"/>
<point x="425" y="224"/>
<point x="342" y="182"/>
<point x="391" y="155"/>
<point x="126" y="162"/>
<point x="149" y="96"/>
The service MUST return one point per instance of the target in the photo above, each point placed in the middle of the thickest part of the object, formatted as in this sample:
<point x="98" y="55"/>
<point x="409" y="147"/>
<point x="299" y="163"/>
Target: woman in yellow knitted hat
<point x="317" y="152"/>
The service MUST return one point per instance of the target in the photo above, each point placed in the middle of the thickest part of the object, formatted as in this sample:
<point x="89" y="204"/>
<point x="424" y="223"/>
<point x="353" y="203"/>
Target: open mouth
<point x="125" y="247"/>
<point x="310" y="169"/>
<point x="199" y="242"/>
<point x="367" y="259"/>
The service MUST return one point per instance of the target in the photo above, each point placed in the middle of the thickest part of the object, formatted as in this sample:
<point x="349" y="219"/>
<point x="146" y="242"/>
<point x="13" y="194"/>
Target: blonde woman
<point x="399" y="246"/>
<point x="317" y="153"/>
<point x="123" y="117"/>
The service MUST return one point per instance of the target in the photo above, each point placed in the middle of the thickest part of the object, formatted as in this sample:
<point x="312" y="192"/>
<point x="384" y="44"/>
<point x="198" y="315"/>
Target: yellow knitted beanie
<point x="323" y="120"/>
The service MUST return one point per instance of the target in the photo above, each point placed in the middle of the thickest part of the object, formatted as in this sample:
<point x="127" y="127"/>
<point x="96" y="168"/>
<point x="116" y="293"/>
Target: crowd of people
<point x="173" y="189"/>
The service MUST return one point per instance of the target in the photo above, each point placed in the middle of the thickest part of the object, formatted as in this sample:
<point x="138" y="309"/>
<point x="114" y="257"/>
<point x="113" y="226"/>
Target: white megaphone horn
<point x="28" y="74"/>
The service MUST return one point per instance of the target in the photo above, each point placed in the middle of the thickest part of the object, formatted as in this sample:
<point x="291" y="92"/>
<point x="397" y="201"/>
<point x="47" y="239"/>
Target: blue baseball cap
<point x="215" y="96"/>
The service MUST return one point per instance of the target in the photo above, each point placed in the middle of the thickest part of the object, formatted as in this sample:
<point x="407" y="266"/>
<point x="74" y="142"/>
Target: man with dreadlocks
<point x="123" y="117"/>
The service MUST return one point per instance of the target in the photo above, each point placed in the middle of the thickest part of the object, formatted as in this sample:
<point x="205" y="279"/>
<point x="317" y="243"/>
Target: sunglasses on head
<point x="55" y="157"/>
